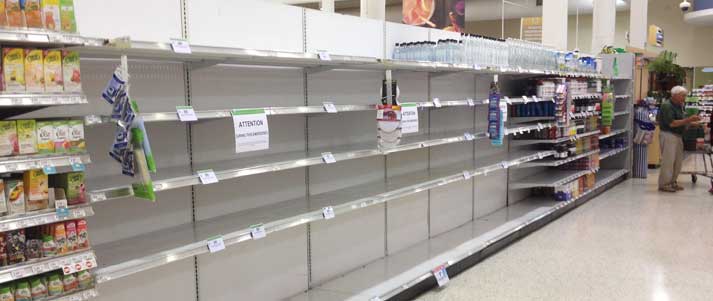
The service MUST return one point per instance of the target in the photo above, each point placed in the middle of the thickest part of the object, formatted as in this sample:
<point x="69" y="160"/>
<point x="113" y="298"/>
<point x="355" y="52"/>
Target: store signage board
<point x="409" y="118"/>
<point x="186" y="113"/>
<point x="251" y="130"/>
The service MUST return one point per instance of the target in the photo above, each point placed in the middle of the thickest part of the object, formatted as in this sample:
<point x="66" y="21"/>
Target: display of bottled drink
<point x="480" y="51"/>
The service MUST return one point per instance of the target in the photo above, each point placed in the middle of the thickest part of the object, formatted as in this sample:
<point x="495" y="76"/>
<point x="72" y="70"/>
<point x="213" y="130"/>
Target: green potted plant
<point x="666" y="72"/>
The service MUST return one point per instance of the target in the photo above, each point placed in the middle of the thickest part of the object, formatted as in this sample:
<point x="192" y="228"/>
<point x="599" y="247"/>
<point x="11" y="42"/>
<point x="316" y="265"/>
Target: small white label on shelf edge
<point x="258" y="231"/>
<point x="441" y="275"/>
<point x="329" y="107"/>
<point x="61" y="208"/>
<point x="180" y="46"/>
<point x="324" y="55"/>
<point x="38" y="269"/>
<point x="252" y="132"/>
<point x="207" y="176"/>
<point x="380" y="114"/>
<point x="507" y="100"/>
<point x="49" y="169"/>
<point x="216" y="244"/>
<point x="469" y="136"/>
<point x="409" y="118"/>
<point x="525" y="99"/>
<point x="471" y="102"/>
<point x="186" y="113"/>
<point x="437" y="102"/>
<point x="466" y="175"/>
<point x="328" y="212"/>
<point x="328" y="158"/>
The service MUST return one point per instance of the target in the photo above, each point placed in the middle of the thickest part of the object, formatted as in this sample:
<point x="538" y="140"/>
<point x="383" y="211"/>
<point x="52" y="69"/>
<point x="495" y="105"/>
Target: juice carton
<point x="3" y="200"/>
<point x="82" y="235"/>
<point x="34" y="71"/>
<point x="53" y="71"/>
<point x="33" y="14"/>
<point x="61" y="136"/>
<point x="13" y="62"/>
<point x="15" y="14"/>
<point x="8" y="138"/>
<point x="69" y="24"/>
<point x="15" y="193"/>
<point x="73" y="185"/>
<point x="76" y="137"/>
<point x="71" y="228"/>
<point x="36" y="190"/>
<point x="27" y="136"/>
<point x="60" y="238"/>
<point x="70" y="66"/>
<point x="51" y="10"/>
<point x="45" y="137"/>
<point x="3" y="14"/>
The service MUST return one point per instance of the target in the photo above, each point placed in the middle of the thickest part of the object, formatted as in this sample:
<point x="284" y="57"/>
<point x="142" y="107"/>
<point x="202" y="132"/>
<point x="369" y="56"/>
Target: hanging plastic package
<point x="388" y="116"/>
<point x="144" y="188"/>
<point x="139" y="123"/>
<point x="495" y="115"/>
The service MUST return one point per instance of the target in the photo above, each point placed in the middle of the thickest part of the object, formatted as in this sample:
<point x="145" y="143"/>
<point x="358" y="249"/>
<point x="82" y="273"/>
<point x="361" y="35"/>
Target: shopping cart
<point x="707" y="156"/>
<point x="702" y="150"/>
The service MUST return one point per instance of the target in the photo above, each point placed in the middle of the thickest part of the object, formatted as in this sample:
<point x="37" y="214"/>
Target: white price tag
<point x="180" y="46"/>
<point x="61" y="208"/>
<point x="324" y="56"/>
<point x="252" y="132"/>
<point x="505" y="164"/>
<point x="38" y="269"/>
<point x="75" y="298"/>
<point x="216" y="244"/>
<point x="258" y="231"/>
<point x="207" y="176"/>
<point x="380" y="114"/>
<point x="409" y="118"/>
<point x="525" y="99"/>
<point x="98" y="197"/>
<point x="469" y="136"/>
<point x="471" y="102"/>
<point x="329" y="107"/>
<point x="441" y="275"/>
<point x="18" y="274"/>
<point x="437" y="103"/>
<point x="507" y="100"/>
<point x="186" y="113"/>
<point x="535" y="99"/>
<point x="328" y="212"/>
<point x="328" y="158"/>
<point x="466" y="175"/>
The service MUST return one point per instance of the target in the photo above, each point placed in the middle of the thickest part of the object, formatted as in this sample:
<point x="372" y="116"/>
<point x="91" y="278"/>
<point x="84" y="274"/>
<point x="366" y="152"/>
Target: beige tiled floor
<point x="630" y="243"/>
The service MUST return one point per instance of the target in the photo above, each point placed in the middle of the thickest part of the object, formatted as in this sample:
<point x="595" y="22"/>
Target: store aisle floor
<point x="629" y="243"/>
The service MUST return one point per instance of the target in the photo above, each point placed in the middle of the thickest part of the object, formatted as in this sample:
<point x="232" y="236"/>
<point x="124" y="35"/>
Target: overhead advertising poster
<point x="531" y="29"/>
<point x="448" y="15"/>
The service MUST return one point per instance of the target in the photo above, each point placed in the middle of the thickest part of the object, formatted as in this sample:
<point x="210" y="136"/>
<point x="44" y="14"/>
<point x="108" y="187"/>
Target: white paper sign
<point x="329" y="107"/>
<point x="258" y="231"/>
<point x="328" y="212"/>
<point x="180" y="46"/>
<point x="328" y="158"/>
<point x="441" y="275"/>
<point x="207" y="176"/>
<point x="251" y="130"/>
<point x="409" y="118"/>
<point x="186" y="113"/>
<point x="216" y="244"/>
<point x="437" y="103"/>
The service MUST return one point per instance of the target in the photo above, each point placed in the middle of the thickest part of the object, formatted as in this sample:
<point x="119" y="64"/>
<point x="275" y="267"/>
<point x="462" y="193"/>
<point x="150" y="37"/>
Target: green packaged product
<point x="23" y="292"/>
<point x="85" y="280"/>
<point x="76" y="136"/>
<point x="70" y="283"/>
<point x="39" y="289"/>
<point x="6" y="294"/>
<point x="55" y="286"/>
<point x="66" y="16"/>
<point x="73" y="185"/>
<point x="49" y="247"/>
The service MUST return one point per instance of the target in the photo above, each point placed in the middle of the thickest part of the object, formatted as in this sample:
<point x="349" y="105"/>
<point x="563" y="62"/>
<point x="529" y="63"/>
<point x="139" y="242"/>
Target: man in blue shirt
<point x="673" y="122"/>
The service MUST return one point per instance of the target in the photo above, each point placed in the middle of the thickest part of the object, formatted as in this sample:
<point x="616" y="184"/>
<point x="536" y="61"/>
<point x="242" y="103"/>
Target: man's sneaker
<point x="677" y="187"/>
<point x="667" y="188"/>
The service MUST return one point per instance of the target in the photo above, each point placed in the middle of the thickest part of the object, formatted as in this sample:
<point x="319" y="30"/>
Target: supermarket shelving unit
<point x="441" y="187"/>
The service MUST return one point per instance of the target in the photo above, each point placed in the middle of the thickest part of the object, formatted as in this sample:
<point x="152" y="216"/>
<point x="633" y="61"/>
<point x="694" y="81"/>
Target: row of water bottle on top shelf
<point x="489" y="52"/>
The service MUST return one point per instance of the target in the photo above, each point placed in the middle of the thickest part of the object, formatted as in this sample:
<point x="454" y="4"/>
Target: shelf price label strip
<point x="85" y="260"/>
<point x="27" y="163"/>
<point x="32" y="220"/>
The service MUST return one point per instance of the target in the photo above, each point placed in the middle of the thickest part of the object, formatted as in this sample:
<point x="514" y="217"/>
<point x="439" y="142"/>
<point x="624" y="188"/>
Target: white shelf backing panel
<point x="612" y="133"/>
<point x="82" y="260"/>
<point x="125" y="19"/>
<point x="210" y="21"/>
<point x="557" y="162"/>
<point x="550" y="178"/>
<point x="606" y="153"/>
<point x="27" y="162"/>
<point x="336" y="34"/>
<point x="554" y="141"/>
<point x="136" y="254"/>
<point x="389" y="276"/>
<point x="171" y="178"/>
<point x="42" y="217"/>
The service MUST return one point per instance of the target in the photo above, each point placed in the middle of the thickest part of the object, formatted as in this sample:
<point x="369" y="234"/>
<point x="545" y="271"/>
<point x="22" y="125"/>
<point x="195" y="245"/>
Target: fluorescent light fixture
<point x="620" y="3"/>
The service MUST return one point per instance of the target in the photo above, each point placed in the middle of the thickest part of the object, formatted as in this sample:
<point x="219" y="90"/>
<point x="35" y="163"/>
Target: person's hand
<point x="695" y="124"/>
<point x="694" y="118"/>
